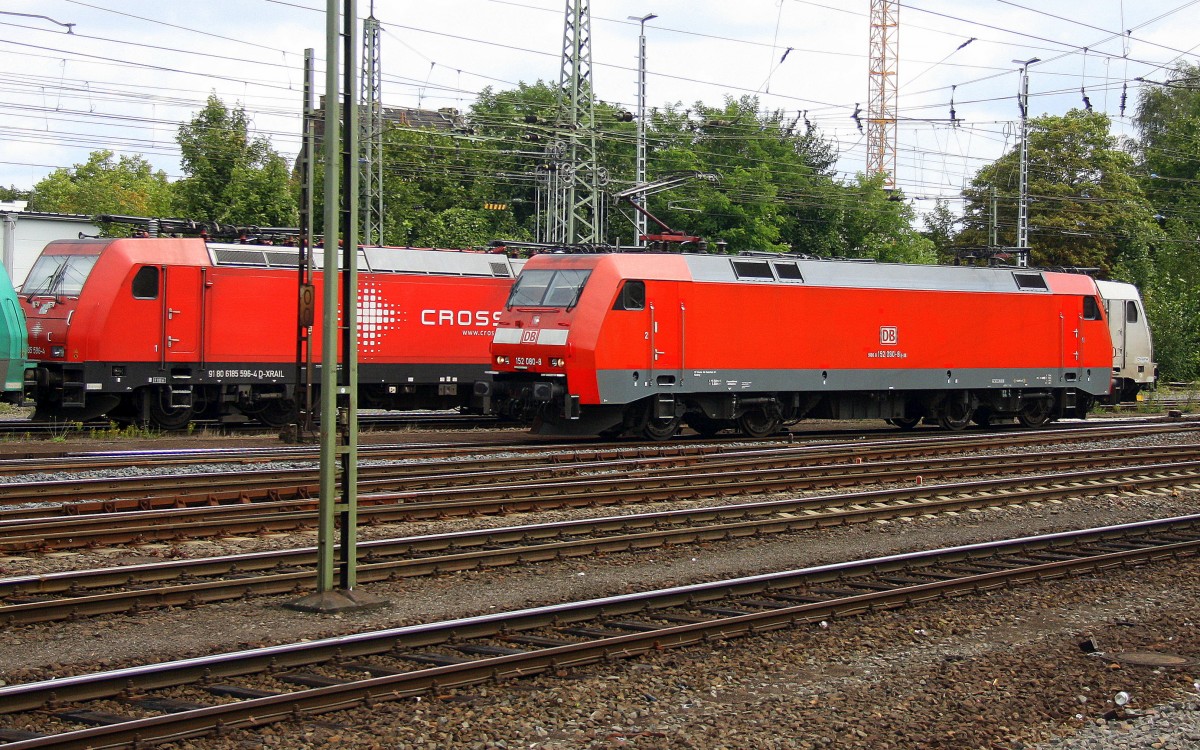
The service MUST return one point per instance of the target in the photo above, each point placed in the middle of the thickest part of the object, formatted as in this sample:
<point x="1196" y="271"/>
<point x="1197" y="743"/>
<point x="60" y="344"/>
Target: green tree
<point x="455" y="228"/>
<point x="437" y="185"/>
<point x="775" y="191"/>
<point x="877" y="224"/>
<point x="1086" y="209"/>
<point x="940" y="229"/>
<point x="231" y="177"/>
<point x="102" y="185"/>
<point x="1167" y="151"/>
<point x="13" y="193"/>
<point x="1172" y="300"/>
<point x="514" y="131"/>
<point x="1168" y="145"/>
<point x="767" y="173"/>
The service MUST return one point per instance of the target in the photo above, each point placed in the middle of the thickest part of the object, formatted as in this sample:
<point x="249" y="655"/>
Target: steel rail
<point x="300" y="484"/>
<point x="381" y="422"/>
<point x="475" y="549"/>
<point x="129" y="493"/>
<point x="591" y="491"/>
<point x="665" y="618"/>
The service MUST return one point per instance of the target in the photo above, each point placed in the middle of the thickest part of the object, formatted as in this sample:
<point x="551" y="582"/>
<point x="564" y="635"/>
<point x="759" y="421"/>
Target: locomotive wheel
<point x="956" y="416"/>
<point x="756" y="423"/>
<point x="1034" y="413"/>
<point x="906" y="423"/>
<point x="167" y="418"/>
<point x="653" y="427"/>
<point x="274" y="413"/>
<point x="661" y="429"/>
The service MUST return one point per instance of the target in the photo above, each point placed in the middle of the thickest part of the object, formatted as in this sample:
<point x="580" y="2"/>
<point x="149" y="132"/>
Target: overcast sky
<point x="132" y="70"/>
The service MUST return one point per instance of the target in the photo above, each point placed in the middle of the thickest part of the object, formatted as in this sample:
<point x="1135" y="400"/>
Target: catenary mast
<point x="576" y="213"/>
<point x="372" y="133"/>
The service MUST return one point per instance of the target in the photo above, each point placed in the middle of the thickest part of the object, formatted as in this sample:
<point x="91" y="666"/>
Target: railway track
<point x="436" y="466"/>
<point x="396" y="421"/>
<point x="188" y="698"/>
<point x="366" y="421"/>
<point x="41" y="457"/>
<point x="187" y="583"/>
<point x="593" y="484"/>
<point x="1152" y="404"/>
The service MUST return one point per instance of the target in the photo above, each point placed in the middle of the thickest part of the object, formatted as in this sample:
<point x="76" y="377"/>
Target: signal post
<point x="339" y="386"/>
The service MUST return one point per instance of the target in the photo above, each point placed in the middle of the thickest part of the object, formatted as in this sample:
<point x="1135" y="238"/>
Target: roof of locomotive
<point x="196" y="251"/>
<point x="793" y="270"/>
<point x="1118" y="290"/>
<point x="411" y="260"/>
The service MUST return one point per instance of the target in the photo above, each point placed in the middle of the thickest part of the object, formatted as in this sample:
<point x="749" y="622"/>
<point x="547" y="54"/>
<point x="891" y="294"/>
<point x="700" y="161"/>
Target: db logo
<point x="529" y="336"/>
<point x="888" y="335"/>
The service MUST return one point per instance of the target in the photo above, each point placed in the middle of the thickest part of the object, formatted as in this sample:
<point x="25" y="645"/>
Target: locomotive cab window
<point x="60" y="275"/>
<point x="1131" y="312"/>
<point x="145" y="283"/>
<point x="632" y="296"/>
<point x="546" y="288"/>
<point x="1091" y="309"/>
<point x="530" y="288"/>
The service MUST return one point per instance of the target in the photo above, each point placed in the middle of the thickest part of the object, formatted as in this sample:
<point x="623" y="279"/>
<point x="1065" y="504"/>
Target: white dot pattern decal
<point x="375" y="317"/>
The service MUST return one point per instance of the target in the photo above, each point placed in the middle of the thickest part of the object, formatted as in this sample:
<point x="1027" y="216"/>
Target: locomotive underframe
<point x="1127" y="389"/>
<point x="549" y="405"/>
<point x="146" y="394"/>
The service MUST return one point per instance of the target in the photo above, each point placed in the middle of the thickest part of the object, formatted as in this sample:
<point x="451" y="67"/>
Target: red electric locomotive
<point x="164" y="330"/>
<point x="638" y="344"/>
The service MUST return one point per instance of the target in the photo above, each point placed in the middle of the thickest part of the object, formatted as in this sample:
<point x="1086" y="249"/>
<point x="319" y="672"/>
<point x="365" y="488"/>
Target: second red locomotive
<point x="166" y="330"/>
<point x="639" y="344"/>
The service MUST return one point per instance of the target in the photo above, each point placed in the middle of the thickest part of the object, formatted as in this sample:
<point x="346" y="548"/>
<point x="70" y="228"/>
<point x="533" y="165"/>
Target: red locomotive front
<point x="641" y="343"/>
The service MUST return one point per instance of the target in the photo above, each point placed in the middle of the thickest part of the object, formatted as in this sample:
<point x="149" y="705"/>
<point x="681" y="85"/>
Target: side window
<point x="1131" y="312"/>
<point x="752" y="269"/>
<point x="788" y="271"/>
<point x="632" y="296"/>
<point x="145" y="283"/>
<point x="1030" y="281"/>
<point x="1091" y="310"/>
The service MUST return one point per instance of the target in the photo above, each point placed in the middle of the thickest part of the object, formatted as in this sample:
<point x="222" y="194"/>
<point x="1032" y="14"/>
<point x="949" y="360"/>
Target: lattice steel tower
<point x="372" y="134"/>
<point x="881" y="107"/>
<point x="576" y="215"/>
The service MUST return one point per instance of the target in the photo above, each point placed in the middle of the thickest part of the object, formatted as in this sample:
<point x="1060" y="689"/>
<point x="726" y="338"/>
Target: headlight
<point x="557" y="362"/>
<point x="58" y="351"/>
<point x="501" y="359"/>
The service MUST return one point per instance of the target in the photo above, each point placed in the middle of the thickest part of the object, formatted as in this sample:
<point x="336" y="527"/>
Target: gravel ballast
<point x="998" y="670"/>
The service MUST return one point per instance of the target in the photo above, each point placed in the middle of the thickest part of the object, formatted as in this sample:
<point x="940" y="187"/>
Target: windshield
<point x="543" y="288"/>
<point x="58" y="275"/>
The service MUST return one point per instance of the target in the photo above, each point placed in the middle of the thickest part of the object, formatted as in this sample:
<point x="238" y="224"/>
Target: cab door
<point x="182" y="313"/>
<point x="1090" y="319"/>
<point x="1116" y="328"/>
<point x="1139" y="363"/>
<point x="665" y="335"/>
